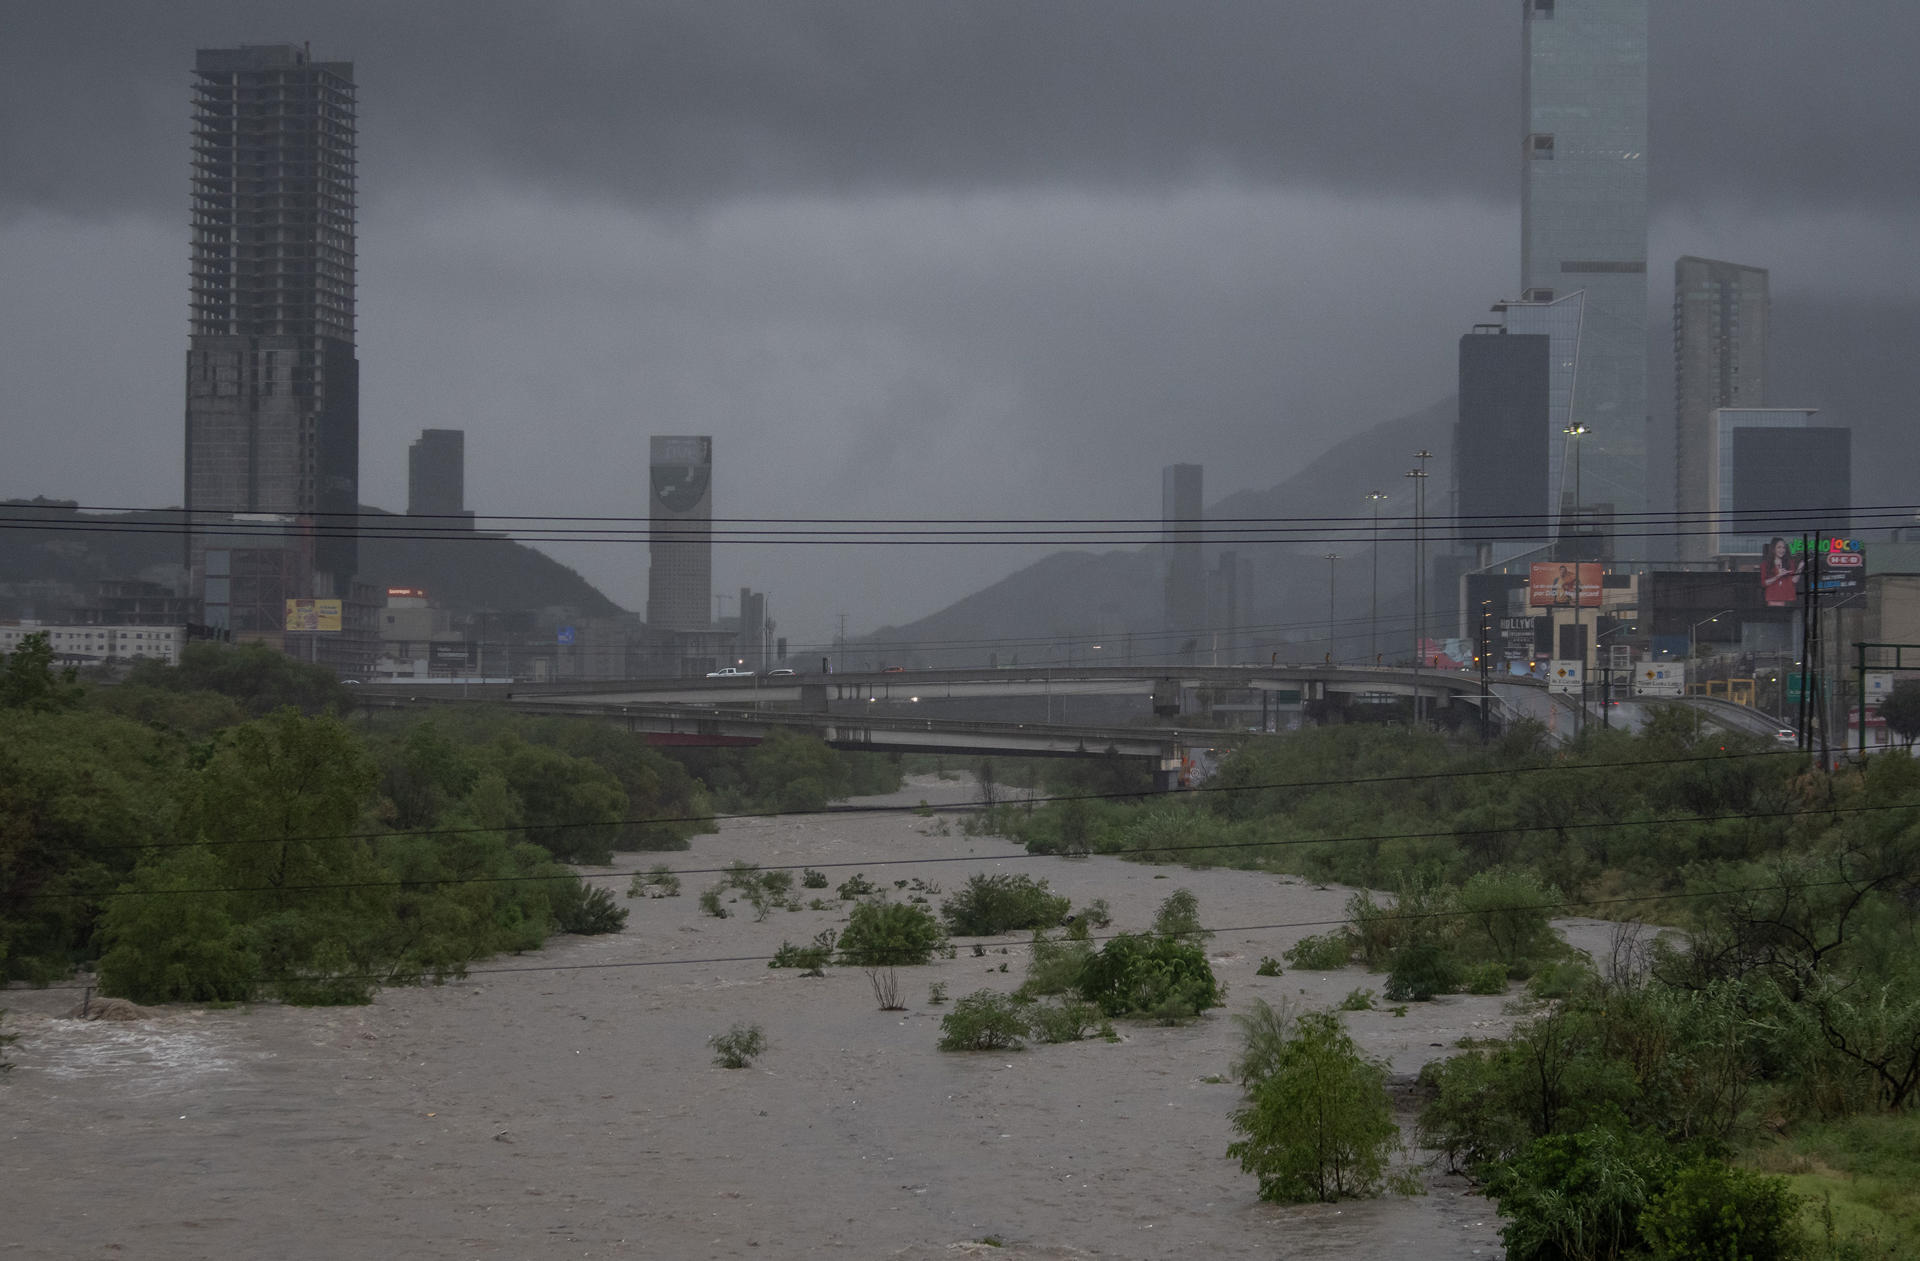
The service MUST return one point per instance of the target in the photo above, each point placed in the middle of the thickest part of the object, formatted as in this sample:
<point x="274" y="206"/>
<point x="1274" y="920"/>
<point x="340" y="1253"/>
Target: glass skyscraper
<point x="1583" y="212"/>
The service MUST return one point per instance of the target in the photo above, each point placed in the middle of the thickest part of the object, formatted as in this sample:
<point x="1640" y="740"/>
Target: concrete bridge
<point x="1162" y="683"/>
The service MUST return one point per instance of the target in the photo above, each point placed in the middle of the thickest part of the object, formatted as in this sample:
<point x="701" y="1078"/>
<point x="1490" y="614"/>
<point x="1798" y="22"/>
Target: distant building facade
<point x="1583" y="213"/>
<point x="1500" y="441"/>
<point x="96" y="645"/>
<point x="1776" y="473"/>
<point x="273" y="387"/>
<point x="1183" y="566"/>
<point x="680" y="522"/>
<point x="437" y="478"/>
<point x="1720" y="316"/>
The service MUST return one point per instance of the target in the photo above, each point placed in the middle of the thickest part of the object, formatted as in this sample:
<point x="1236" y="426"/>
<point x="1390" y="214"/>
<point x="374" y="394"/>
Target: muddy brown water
<point x="565" y="1103"/>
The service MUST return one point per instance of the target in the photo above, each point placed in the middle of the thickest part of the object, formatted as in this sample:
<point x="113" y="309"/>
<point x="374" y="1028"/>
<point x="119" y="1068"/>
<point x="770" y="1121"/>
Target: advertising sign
<point x="418" y="593"/>
<point x="1557" y="585"/>
<point x="1839" y="568"/>
<point x="313" y="615"/>
<point x="564" y="635"/>
<point x="1517" y="638"/>
<point x="1660" y="678"/>
<point x="1563" y="676"/>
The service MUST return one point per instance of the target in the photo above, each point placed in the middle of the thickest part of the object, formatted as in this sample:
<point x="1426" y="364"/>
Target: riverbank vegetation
<point x="228" y="829"/>
<point x="1771" y="1031"/>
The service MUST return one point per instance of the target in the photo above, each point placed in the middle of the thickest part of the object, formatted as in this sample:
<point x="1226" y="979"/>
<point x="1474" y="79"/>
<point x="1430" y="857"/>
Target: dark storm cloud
<point x="669" y="105"/>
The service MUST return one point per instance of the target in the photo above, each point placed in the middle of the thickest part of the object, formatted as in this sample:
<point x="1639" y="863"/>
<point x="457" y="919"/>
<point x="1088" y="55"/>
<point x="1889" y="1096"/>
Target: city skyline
<point x="942" y="288"/>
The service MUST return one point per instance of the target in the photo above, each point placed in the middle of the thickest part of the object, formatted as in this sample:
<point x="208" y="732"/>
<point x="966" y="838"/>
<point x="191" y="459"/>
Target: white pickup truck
<point x="730" y="673"/>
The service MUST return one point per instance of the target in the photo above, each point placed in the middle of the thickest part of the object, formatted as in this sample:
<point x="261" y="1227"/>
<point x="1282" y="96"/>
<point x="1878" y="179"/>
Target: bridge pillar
<point x="1166" y="697"/>
<point x="813" y="698"/>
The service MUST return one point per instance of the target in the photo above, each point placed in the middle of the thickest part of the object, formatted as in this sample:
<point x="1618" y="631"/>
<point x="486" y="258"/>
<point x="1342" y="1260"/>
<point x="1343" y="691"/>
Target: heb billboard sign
<point x="1835" y="566"/>
<point x="1553" y="585"/>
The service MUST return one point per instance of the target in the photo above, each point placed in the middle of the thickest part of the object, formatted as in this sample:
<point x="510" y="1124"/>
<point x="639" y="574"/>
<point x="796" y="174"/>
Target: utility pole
<point x="1486" y="646"/>
<point x="841" y="665"/>
<point x="1574" y="432"/>
<point x="1332" y="558"/>
<point x="1373" y="603"/>
<point x="1419" y="571"/>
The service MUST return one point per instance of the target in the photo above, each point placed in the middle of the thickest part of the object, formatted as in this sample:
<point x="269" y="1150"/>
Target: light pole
<point x="1373" y="603"/>
<point x="1574" y="433"/>
<point x="1693" y="649"/>
<point x="1331" y="558"/>
<point x="1419" y="477"/>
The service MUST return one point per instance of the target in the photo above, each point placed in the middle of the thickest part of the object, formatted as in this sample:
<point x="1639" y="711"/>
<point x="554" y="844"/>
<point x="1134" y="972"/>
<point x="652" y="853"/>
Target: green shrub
<point x="710" y="902"/>
<point x="586" y="910"/>
<point x="1063" y="1022"/>
<point x="936" y="994"/>
<point x="1318" y="1125"/>
<point x="1503" y="916"/>
<point x="1485" y="978"/>
<point x="738" y="1046"/>
<point x="1265" y="1031"/>
<point x="888" y="934"/>
<point x="1579" y="1197"/>
<point x="811" y="879"/>
<point x="1179" y="918"/>
<point x="989" y="905"/>
<point x="1054" y="965"/>
<point x="1421" y="969"/>
<point x="856" y="886"/>
<point x="1358" y="1000"/>
<point x="813" y="958"/>
<point x="1269" y="966"/>
<point x="1153" y="976"/>
<point x="1322" y="953"/>
<point x="983" y="1021"/>
<point x="1095" y="915"/>
<point x="1715" y="1212"/>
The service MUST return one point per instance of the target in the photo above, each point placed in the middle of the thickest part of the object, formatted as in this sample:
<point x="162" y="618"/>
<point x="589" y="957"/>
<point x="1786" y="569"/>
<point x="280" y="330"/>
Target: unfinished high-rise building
<point x="1720" y="313"/>
<point x="272" y="400"/>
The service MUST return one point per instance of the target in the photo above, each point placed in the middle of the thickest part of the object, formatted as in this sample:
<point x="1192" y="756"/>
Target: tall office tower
<point x="1182" y="564"/>
<point x="1501" y="442"/>
<point x="1776" y="473"/>
<point x="273" y="388"/>
<point x="437" y="478"/>
<point x="680" y="522"/>
<point x="1719" y="360"/>
<point x="1583" y="224"/>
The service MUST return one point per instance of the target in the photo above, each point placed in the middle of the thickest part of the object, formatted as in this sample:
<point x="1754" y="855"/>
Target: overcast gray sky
<point x="898" y="258"/>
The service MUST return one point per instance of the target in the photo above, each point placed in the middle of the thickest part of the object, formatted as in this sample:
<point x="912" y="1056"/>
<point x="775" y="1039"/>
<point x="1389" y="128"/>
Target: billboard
<point x="1660" y="678"/>
<point x="313" y="615"/>
<point x="1558" y="585"/>
<point x="1838" y="568"/>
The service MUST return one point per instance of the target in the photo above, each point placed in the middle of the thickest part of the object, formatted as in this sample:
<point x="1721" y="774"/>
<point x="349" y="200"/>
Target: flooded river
<point x="565" y="1103"/>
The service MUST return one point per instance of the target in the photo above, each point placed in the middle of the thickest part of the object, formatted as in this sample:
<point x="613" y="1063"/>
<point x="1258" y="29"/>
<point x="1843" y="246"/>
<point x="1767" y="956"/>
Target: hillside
<point x="480" y="571"/>
<point x="1069" y="601"/>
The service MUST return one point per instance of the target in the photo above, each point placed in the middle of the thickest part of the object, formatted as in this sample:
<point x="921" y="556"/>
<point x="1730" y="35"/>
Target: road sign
<point x="565" y="635"/>
<point x="1563" y="676"/>
<point x="1660" y="678"/>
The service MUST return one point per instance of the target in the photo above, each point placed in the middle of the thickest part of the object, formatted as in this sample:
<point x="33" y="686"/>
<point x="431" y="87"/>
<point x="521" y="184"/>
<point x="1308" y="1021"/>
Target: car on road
<point x="893" y="670"/>
<point x="1787" y="735"/>
<point x="781" y="673"/>
<point x="730" y="672"/>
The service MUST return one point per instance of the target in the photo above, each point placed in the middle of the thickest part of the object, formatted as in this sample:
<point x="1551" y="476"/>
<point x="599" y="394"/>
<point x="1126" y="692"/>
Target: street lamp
<point x="1419" y="477"/>
<point x="1373" y="603"/>
<point x="1693" y="648"/>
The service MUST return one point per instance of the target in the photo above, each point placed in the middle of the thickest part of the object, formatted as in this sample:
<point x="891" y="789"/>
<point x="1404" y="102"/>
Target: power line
<point x="949" y="807"/>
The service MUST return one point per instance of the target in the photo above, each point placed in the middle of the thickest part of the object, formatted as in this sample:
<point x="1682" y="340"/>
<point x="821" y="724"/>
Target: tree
<point x="889" y="934"/>
<point x="1318" y="1125"/>
<point x="1901" y="710"/>
<point x="29" y="680"/>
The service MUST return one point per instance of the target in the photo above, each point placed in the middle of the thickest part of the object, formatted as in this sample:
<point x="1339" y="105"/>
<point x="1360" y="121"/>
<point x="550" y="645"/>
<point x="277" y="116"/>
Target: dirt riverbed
<point x="565" y="1103"/>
